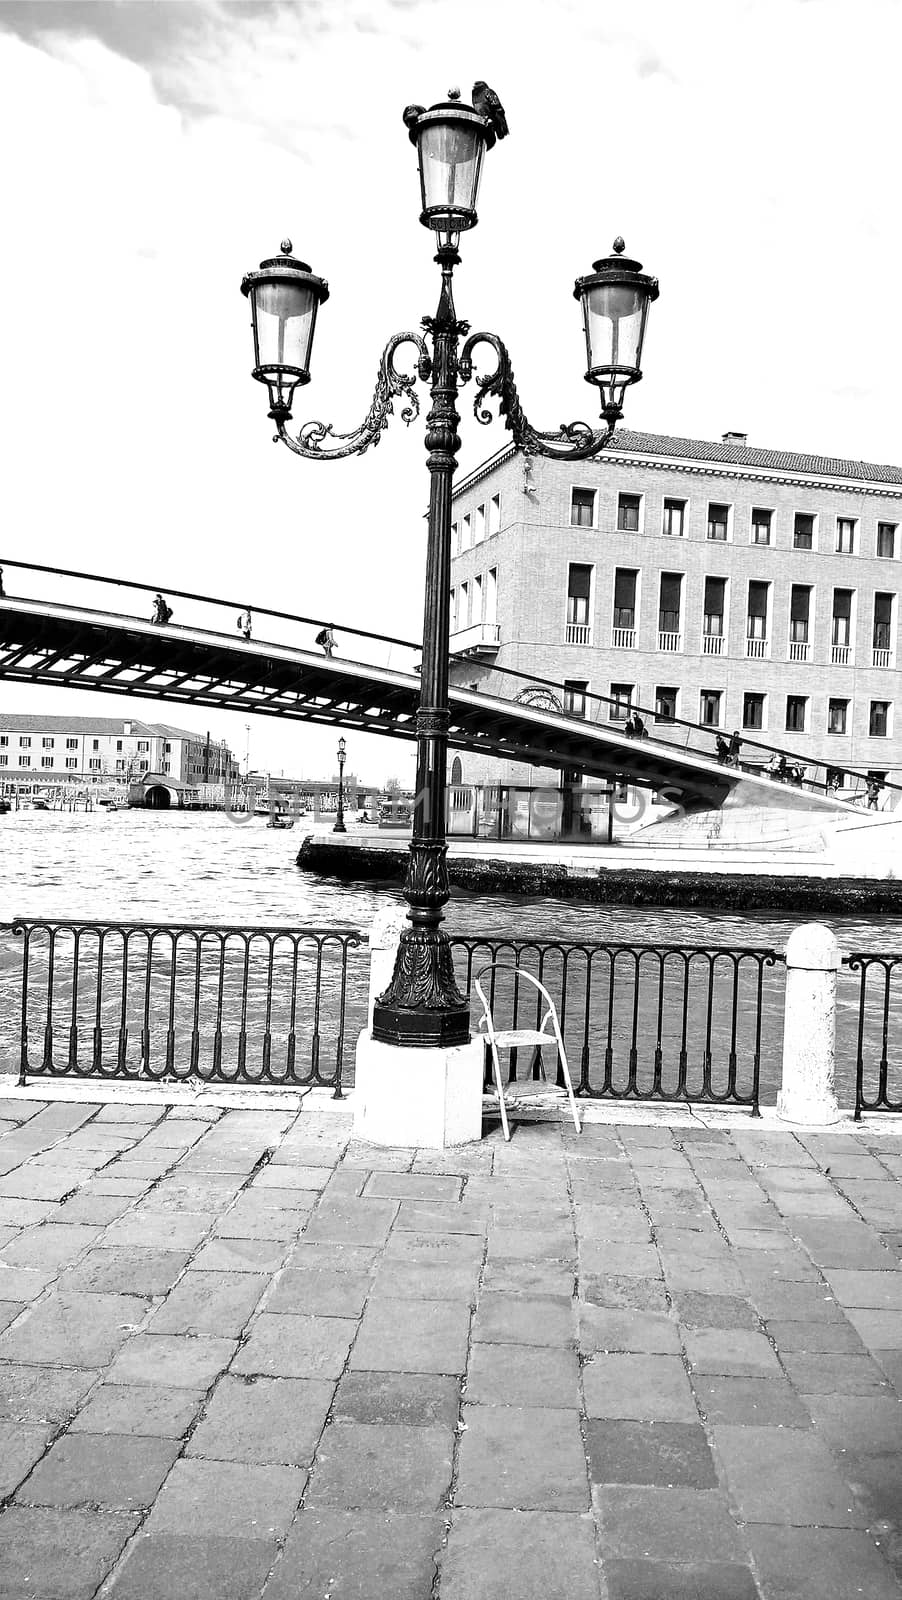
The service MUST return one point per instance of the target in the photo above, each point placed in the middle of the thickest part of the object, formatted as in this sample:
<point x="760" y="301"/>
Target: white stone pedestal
<point x="431" y="1098"/>
<point x="807" y="1094"/>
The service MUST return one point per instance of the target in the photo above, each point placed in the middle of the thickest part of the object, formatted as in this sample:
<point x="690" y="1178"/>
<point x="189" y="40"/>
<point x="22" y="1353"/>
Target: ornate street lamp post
<point x="340" y="819"/>
<point x="423" y="1004"/>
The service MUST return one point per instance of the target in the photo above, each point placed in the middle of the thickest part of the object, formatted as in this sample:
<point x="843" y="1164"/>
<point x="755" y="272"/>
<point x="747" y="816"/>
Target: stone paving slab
<point x="649" y="1362"/>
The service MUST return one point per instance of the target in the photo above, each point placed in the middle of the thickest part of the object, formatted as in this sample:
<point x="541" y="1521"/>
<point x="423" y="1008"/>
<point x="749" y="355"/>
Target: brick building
<point x="90" y="751"/>
<point x="730" y="586"/>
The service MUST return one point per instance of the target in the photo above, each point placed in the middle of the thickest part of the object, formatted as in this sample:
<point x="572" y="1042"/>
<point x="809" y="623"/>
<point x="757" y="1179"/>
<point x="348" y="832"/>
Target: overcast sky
<point x="153" y="152"/>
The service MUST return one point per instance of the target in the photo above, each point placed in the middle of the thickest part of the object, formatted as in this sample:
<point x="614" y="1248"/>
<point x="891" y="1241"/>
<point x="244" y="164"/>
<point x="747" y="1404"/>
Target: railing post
<point x="807" y="1094"/>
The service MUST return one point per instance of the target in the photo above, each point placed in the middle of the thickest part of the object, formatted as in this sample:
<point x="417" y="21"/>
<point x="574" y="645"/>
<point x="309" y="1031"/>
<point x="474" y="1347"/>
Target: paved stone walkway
<point x="246" y="1357"/>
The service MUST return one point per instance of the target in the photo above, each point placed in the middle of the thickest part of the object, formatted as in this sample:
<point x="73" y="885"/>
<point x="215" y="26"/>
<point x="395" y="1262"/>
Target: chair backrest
<point x="519" y="973"/>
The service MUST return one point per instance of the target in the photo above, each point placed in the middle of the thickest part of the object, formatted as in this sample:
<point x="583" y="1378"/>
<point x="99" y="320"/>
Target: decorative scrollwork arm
<point x="312" y="439"/>
<point x="572" y="441"/>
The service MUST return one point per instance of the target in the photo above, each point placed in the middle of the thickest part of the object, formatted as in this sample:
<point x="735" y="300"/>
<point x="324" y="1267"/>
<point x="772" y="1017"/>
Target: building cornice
<point x="873" y="488"/>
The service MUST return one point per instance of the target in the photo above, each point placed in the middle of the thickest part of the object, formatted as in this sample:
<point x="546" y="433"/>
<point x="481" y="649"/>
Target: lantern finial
<point x="453" y="94"/>
<point x="286" y="246"/>
<point x="619" y="246"/>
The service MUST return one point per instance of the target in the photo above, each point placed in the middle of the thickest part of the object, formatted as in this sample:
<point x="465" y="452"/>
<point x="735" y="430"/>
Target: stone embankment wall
<point x="628" y="886"/>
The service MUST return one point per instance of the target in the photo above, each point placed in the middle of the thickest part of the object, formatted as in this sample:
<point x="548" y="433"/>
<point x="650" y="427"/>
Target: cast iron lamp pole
<point x="423" y="1005"/>
<point x="340" y="819"/>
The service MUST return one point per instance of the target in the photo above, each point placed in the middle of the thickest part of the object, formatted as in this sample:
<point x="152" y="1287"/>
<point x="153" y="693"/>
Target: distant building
<point x="731" y="586"/>
<point x="91" y="751"/>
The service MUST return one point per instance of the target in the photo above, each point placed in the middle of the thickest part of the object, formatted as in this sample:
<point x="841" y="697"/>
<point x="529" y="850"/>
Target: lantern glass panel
<point x="450" y="165"/>
<point x="285" y="314"/>
<point x="614" y="316"/>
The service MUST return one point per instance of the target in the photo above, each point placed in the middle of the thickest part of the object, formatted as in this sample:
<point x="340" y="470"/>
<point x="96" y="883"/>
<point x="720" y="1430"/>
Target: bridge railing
<point x="658" y="726"/>
<point x="295" y="631"/>
<point x="268" y="626"/>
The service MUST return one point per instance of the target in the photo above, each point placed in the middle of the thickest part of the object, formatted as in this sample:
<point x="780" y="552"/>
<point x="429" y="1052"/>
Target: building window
<point x="628" y="511"/>
<point x="718" y="521"/>
<point x="621" y="702"/>
<point x="625" y="581"/>
<point x="799" y="613"/>
<point x="142" y="766"/>
<point x="47" y="744"/>
<point x="95" y="744"/>
<point x="674" y="518"/>
<point x="710" y="705"/>
<point x="579" y="590"/>
<point x="167" y="749"/>
<point x="94" y="763"/>
<point x="886" y="539"/>
<point x="4" y="761"/>
<point x="46" y="761"/>
<point x="879" y="720"/>
<point x="464" y="618"/>
<point x="803" y="531"/>
<point x="757" y="612"/>
<point x="761" y="525"/>
<point x="143" y="744"/>
<point x="753" y="711"/>
<point x="883" y="627"/>
<point x="467" y="532"/>
<point x="25" y="741"/>
<point x="796" y="712"/>
<point x="575" y="696"/>
<point x="845" y="536"/>
<point x="118" y="744"/>
<point x="165" y="766"/>
<point x="120" y="766"/>
<point x="71" y="762"/>
<point x="842" y="618"/>
<point x="582" y="508"/>
<point x="666" y="704"/>
<point x="837" y="715"/>
<point x="455" y="537"/>
<point x="670" y="602"/>
<point x="495" y="514"/>
<point x="479" y="530"/>
<point x="71" y="744"/>
<point x="25" y="761"/>
<point x="715" y="607"/>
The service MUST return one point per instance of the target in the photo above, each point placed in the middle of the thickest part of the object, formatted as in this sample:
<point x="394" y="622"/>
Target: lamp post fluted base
<point x="422" y="1005"/>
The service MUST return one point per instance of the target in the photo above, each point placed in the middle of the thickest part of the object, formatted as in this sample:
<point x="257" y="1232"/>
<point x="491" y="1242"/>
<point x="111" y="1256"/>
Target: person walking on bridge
<point x="2" y="590"/>
<point x="326" y="640"/>
<point x="734" y="748"/>
<point x="161" y="611"/>
<point x="245" y="622"/>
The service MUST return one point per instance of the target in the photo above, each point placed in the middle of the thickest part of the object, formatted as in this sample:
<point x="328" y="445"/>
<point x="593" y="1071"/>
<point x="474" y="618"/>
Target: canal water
<point x="212" y="868"/>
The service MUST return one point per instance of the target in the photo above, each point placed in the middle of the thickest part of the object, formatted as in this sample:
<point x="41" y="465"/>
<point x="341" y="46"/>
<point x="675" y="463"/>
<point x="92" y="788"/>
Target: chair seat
<point x="532" y="1089"/>
<point x="508" y="1037"/>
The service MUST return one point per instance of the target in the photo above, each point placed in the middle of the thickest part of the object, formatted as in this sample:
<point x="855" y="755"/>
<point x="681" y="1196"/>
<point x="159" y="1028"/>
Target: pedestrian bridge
<point x="81" y="648"/>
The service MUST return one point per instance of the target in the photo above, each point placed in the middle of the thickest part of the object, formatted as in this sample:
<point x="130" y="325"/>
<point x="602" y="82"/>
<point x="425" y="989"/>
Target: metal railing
<point x="658" y="1022"/>
<point x="148" y="1001"/>
<point x="668" y="642"/>
<point x="878" y="1080"/>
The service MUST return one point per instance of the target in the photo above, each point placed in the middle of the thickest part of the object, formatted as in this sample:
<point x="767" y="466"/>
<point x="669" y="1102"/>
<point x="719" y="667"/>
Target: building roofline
<point x="729" y="459"/>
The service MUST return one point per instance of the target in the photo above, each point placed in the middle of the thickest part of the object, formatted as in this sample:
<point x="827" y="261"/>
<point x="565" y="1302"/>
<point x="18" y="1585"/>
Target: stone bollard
<point x="807" y="1093"/>
<point x="428" y="1098"/>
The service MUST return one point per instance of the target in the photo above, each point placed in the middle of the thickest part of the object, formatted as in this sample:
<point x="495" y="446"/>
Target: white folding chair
<point x="547" y="1033"/>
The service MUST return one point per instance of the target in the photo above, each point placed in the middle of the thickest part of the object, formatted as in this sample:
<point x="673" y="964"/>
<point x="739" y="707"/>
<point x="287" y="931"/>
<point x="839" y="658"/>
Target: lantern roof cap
<point x="444" y="110"/>
<point x="617" y="268"/>
<point x="285" y="268"/>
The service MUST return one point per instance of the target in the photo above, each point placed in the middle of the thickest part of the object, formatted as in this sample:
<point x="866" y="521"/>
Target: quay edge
<point x="602" y="876"/>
